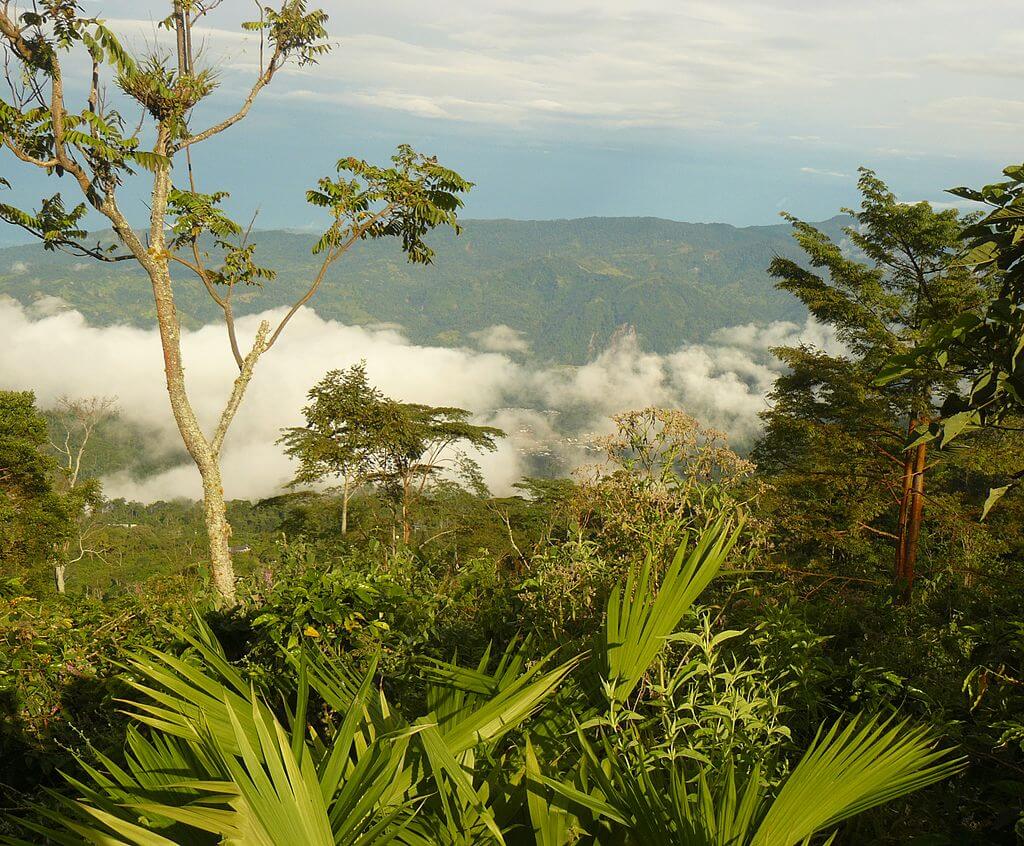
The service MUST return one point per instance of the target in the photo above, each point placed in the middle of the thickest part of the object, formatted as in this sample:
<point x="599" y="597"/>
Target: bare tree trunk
<point x="202" y="451"/>
<point x="59" y="569"/>
<point x="914" y="522"/>
<point x="180" y="32"/>
<point x="904" y="514"/>
<point x="218" y="530"/>
<point x="344" y="505"/>
<point x="910" y="516"/>
<point x="406" y="530"/>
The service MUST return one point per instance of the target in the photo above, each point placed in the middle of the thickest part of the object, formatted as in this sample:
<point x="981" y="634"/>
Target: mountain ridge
<point x="566" y="285"/>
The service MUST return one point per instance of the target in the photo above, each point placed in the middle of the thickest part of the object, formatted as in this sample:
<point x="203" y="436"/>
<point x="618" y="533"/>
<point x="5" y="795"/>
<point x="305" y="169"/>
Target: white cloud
<point x="942" y="205"/>
<point x="876" y="82"/>
<point x="19" y="267"/>
<point x="545" y="410"/>
<point x="976" y="112"/>
<point x="649" y="63"/>
<point x="814" y="171"/>
<point x="500" y="338"/>
<point x="47" y="305"/>
<point x="898" y="152"/>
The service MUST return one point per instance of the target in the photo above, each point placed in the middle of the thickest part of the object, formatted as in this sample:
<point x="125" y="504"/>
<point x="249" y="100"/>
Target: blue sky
<point x="685" y="109"/>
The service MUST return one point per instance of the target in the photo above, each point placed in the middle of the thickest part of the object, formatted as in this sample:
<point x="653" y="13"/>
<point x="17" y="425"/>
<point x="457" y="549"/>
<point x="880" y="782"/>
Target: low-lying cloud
<point x="549" y="412"/>
<point x="500" y="338"/>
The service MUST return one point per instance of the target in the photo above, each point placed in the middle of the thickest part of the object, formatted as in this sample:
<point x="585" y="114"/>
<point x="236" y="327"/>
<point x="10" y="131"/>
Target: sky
<point x="684" y="109"/>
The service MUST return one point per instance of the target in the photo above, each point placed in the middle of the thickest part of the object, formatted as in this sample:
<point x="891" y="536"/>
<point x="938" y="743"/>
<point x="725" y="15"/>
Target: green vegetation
<point x="33" y="514"/>
<point x="188" y="228"/>
<point x="677" y="645"/>
<point x="529" y="670"/>
<point x="347" y="765"/>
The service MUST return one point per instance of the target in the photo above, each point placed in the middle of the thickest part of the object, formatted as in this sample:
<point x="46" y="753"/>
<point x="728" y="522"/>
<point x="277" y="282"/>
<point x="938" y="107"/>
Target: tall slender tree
<point x="836" y="441"/>
<point x="73" y="423"/>
<point x="99" y="147"/>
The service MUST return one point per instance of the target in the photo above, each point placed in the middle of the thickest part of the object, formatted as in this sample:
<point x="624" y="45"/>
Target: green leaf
<point x="639" y="619"/>
<point x="994" y="495"/>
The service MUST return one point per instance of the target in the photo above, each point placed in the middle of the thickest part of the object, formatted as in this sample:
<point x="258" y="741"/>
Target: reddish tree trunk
<point x="904" y="515"/>
<point x="910" y="517"/>
<point x="913" y="532"/>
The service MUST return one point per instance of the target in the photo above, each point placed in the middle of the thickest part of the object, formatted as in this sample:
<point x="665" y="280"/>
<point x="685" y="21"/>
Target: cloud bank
<point x="661" y="64"/>
<point x="548" y="412"/>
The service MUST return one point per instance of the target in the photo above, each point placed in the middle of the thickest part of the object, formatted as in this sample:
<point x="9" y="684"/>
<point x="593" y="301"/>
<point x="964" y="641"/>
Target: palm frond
<point x="639" y="619"/>
<point x="849" y="769"/>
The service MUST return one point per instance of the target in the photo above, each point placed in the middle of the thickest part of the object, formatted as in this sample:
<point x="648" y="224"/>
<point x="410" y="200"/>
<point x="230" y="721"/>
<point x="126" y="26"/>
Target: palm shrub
<point x="211" y="759"/>
<point x="630" y="797"/>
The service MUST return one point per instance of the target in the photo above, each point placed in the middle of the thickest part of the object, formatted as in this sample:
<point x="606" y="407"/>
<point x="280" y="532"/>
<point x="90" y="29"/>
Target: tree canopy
<point x="356" y="433"/>
<point x="834" y="440"/>
<point x="34" y="516"/>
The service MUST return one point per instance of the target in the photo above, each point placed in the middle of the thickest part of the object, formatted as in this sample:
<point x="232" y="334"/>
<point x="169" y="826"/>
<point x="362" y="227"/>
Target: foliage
<point x="405" y="201"/>
<point x="359" y="611"/>
<point x="34" y="516"/>
<point x="566" y="588"/>
<point x="57" y="682"/>
<point x="209" y="752"/>
<point x="664" y="474"/>
<point x="714" y="707"/>
<point x="640" y="618"/>
<point x="849" y="768"/>
<point x="983" y="345"/>
<point x="335" y="441"/>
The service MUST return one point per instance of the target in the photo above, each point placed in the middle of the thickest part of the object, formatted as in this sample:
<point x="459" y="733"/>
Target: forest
<point x="815" y="639"/>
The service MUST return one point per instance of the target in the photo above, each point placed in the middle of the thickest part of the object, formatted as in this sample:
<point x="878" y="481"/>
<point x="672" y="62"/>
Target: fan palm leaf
<point x="849" y="768"/>
<point x="640" y="618"/>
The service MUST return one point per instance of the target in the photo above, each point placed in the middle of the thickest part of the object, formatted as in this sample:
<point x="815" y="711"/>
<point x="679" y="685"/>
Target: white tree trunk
<point x="204" y="453"/>
<point x="218" y="531"/>
<point x="344" y="506"/>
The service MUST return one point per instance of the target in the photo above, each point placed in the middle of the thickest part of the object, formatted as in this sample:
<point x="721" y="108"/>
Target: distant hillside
<point x="567" y="285"/>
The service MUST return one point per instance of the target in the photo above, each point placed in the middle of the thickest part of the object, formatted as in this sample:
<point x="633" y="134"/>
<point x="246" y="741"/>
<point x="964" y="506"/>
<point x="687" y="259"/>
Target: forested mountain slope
<point x="566" y="284"/>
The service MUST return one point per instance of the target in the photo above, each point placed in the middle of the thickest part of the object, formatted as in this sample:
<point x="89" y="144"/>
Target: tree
<point x="981" y="347"/>
<point x="354" y="431"/>
<point x="834" y="441"/>
<point x="413" y="444"/>
<point x="75" y="420"/>
<point x="98" y="149"/>
<point x="34" y="517"/>
<point x="663" y="474"/>
<point x="338" y="435"/>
